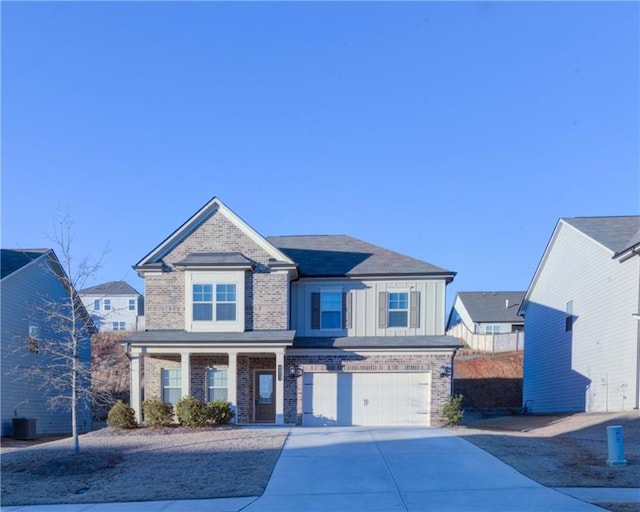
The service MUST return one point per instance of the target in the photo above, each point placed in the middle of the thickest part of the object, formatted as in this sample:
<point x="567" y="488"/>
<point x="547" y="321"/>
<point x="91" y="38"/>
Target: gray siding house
<point x="487" y="312"/>
<point x="307" y="330"/>
<point x="32" y="280"/>
<point x="581" y="318"/>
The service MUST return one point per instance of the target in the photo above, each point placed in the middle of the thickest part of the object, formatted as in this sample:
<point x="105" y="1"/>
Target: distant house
<point x="32" y="284"/>
<point x="487" y="312"/>
<point x="488" y="321"/>
<point x="581" y="318"/>
<point x="310" y="330"/>
<point x="114" y="306"/>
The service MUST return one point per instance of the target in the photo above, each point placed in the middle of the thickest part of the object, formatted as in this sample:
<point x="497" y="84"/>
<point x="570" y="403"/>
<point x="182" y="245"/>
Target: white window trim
<point x="210" y="387"/>
<point x="408" y="310"/>
<point x="105" y="303"/>
<point x="130" y="306"/>
<point x="236" y="277"/>
<point x="163" y="387"/>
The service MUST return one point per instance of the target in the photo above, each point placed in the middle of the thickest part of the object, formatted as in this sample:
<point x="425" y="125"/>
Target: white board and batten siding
<point x="592" y="367"/>
<point x="366" y="399"/>
<point x="365" y="306"/>
<point x="22" y="397"/>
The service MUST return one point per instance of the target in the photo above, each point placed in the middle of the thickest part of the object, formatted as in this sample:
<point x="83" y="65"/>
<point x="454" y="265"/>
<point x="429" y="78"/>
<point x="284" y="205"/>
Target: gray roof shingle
<point x="341" y="255"/>
<point x="615" y="233"/>
<point x="178" y="336"/>
<point x="382" y="342"/>
<point x="214" y="259"/>
<point x="110" y="288"/>
<point x="491" y="307"/>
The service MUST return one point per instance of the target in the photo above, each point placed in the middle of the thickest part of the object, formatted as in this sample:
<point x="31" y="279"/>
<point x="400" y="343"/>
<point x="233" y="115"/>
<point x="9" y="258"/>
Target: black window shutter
<point x="414" y="308"/>
<point x="383" y="299"/>
<point x="346" y="310"/>
<point x="315" y="310"/>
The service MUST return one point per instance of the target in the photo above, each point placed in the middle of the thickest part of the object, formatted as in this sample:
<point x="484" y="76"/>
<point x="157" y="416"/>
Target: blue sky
<point x="456" y="133"/>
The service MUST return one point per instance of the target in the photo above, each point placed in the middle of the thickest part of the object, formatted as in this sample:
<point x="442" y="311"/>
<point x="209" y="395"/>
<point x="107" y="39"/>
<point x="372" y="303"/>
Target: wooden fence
<point x="502" y="342"/>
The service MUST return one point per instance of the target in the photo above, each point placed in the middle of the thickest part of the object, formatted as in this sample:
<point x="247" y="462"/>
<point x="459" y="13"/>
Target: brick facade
<point x="361" y="362"/>
<point x="266" y="292"/>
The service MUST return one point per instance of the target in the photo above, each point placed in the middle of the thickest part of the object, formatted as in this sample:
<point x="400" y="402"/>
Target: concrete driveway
<point x="403" y="469"/>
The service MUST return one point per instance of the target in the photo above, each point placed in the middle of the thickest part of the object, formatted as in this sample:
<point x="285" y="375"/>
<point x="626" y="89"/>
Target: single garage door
<point x="370" y="399"/>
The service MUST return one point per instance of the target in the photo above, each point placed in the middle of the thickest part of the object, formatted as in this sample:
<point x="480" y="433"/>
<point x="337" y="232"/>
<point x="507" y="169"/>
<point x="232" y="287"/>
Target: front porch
<point x="250" y="378"/>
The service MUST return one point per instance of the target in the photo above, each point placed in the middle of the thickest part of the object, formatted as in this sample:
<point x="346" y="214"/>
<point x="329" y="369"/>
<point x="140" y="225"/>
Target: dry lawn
<point x="142" y="465"/>
<point x="562" y="451"/>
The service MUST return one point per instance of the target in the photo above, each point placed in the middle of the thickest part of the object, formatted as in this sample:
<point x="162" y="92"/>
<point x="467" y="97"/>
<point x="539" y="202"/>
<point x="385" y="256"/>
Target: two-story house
<point x="581" y="314"/>
<point x="114" y="306"/>
<point x="312" y="330"/>
<point x="33" y="339"/>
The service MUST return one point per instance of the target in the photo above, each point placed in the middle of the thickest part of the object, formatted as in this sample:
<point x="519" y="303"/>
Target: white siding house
<point x="114" y="306"/>
<point x="30" y="282"/>
<point x="581" y="319"/>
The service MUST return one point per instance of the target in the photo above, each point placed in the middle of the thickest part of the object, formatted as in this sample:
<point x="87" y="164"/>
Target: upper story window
<point x="34" y="338"/>
<point x="214" y="307"/>
<point x="331" y="310"/>
<point x="132" y="304"/>
<point x="214" y="301"/>
<point x="107" y="304"/>
<point x="398" y="309"/>
<point x="119" y="326"/>
<point x="96" y="304"/>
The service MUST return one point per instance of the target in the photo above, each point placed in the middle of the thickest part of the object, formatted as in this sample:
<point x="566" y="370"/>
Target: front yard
<point x="143" y="464"/>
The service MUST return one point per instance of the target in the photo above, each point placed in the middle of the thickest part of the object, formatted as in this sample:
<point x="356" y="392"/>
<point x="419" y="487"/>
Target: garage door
<point x="370" y="399"/>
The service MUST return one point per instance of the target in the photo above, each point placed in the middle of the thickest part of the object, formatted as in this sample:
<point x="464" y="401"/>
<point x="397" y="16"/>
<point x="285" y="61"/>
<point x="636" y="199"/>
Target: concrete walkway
<point x="357" y="469"/>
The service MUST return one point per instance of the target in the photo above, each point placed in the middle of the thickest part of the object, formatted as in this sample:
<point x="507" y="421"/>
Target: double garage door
<point x="370" y="399"/>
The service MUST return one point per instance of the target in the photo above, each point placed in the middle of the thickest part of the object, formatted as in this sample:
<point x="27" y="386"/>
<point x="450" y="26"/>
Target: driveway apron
<point x="399" y="469"/>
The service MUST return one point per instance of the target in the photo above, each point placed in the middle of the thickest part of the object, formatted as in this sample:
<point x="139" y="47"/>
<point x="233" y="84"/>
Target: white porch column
<point x="185" y="360"/>
<point x="280" y="387"/>
<point x="135" y="393"/>
<point x="232" y="383"/>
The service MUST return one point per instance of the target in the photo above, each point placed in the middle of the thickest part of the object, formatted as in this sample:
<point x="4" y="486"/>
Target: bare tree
<point x="64" y="369"/>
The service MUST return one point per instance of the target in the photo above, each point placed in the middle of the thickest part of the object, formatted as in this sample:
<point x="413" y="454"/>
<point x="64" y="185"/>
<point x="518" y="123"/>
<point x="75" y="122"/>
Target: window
<point x="217" y="384"/>
<point x="492" y="329"/>
<point x="107" y="304"/>
<point x="398" y="309"/>
<point x="119" y="326"/>
<point x="568" y="321"/>
<point x="171" y="386"/>
<point x="132" y="304"/>
<point x="34" y="338"/>
<point x="331" y="310"/>
<point x="96" y="304"/>
<point x="225" y="302"/>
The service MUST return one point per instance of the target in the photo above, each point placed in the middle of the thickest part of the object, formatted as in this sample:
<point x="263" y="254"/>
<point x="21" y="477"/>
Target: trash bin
<point x="24" y="428"/>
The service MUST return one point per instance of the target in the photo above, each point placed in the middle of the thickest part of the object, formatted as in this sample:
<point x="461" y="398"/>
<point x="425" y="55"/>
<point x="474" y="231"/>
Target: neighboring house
<point x="114" y="306"/>
<point x="312" y="330"/>
<point x="31" y="287"/>
<point x="487" y="312"/>
<point x="581" y="318"/>
<point x="487" y="321"/>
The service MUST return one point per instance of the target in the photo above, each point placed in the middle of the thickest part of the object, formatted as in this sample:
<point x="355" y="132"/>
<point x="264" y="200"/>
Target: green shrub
<point x="191" y="412"/>
<point x="452" y="411"/>
<point x="157" y="413"/>
<point x="220" y="412"/>
<point x="121" y="416"/>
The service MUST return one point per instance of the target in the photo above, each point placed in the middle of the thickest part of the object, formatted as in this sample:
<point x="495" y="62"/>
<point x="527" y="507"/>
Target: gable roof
<point x="342" y="256"/>
<point x="617" y="234"/>
<point x="486" y="307"/>
<point x="110" y="288"/>
<point x="12" y="260"/>
<point x="620" y="235"/>
<point x="152" y="259"/>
